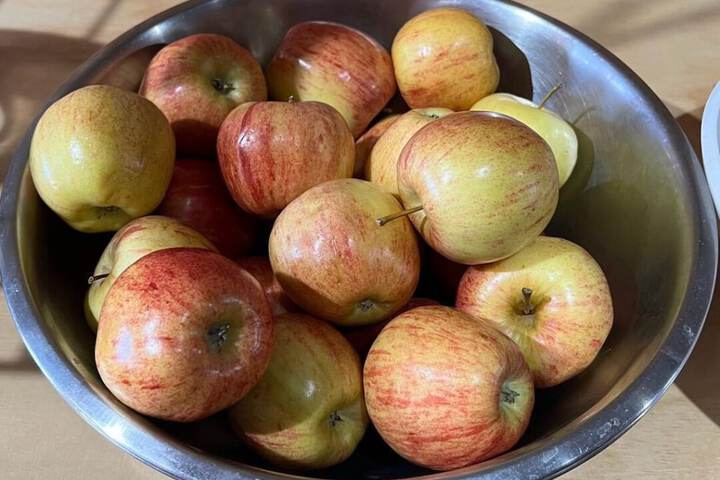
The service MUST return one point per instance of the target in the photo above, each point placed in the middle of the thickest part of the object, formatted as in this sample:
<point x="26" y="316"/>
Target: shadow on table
<point x="21" y="363"/>
<point x="699" y="379"/>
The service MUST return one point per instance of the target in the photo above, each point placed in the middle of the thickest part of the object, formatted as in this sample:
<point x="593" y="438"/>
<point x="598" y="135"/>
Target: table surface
<point x="673" y="46"/>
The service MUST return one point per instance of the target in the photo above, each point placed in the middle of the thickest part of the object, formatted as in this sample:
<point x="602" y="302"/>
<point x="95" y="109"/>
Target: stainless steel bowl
<point x="638" y="202"/>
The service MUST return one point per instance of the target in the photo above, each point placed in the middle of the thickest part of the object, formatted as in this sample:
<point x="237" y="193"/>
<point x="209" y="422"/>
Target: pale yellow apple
<point x="444" y="58"/>
<point x="549" y="125"/>
<point x="381" y="166"/>
<point x="101" y="156"/>
<point x="366" y="142"/>
<point x="132" y="242"/>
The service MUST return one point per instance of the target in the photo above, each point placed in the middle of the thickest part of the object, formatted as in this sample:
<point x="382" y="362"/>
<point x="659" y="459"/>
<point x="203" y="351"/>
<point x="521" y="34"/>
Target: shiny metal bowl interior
<point x="637" y="201"/>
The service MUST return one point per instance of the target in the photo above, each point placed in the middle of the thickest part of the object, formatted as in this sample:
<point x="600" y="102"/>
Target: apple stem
<point x="291" y="99"/>
<point x="96" y="278"/>
<point x="389" y="218"/>
<point x="527" y="308"/>
<point x="550" y="94"/>
<point x="221" y="86"/>
<point x="335" y="418"/>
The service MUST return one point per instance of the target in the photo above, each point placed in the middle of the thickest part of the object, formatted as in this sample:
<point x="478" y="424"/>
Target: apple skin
<point x="158" y="348"/>
<point x="260" y="268"/>
<point x="307" y="411"/>
<point x="198" y="198"/>
<point x="271" y="152"/>
<point x="335" y="64"/>
<point x="550" y="126"/>
<point x="444" y="58"/>
<point x="196" y="81"/>
<point x="132" y="242"/>
<point x="573" y="311"/>
<point x="381" y="167"/>
<point x="335" y="262"/>
<point x="365" y="144"/>
<point x="361" y="338"/>
<point x="487" y="183"/>
<point x="101" y="156"/>
<point x="445" y="390"/>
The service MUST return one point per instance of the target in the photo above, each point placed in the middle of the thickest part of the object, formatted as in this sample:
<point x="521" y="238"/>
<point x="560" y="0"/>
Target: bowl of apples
<point x="370" y="240"/>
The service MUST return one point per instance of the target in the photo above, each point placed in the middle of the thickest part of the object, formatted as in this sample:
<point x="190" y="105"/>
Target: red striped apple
<point x="367" y="141"/>
<point x="259" y="267"/>
<point x="196" y="81"/>
<point x="336" y="262"/>
<point x="184" y="333"/>
<point x="551" y="298"/>
<point x="445" y="390"/>
<point x="307" y="411"/>
<point x="198" y="198"/>
<point x="271" y="152"/>
<point x="335" y="64"/>
<point x="481" y="184"/>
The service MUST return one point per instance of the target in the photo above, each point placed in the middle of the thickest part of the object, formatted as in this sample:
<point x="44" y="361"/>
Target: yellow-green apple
<point x="362" y="337"/>
<point x="132" y="242"/>
<point x="549" y="125"/>
<point x="481" y="184"/>
<point x="101" y="156"/>
<point x="183" y="334"/>
<point x="551" y="298"/>
<point x="381" y="167"/>
<point x="196" y="81"/>
<point x="198" y="198"/>
<point x="445" y="390"/>
<point x="335" y="64"/>
<point x="336" y="262"/>
<point x="307" y="411"/>
<point x="444" y="58"/>
<point x="366" y="142"/>
<point x="271" y="152"/>
<point x="259" y="267"/>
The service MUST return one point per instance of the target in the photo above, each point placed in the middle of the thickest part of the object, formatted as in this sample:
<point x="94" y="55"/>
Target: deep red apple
<point x="260" y="268"/>
<point x="198" y="198"/>
<point x="183" y="334"/>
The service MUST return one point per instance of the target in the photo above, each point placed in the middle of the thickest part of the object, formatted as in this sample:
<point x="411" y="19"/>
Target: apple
<point x="366" y="142"/>
<point x="381" y="167"/>
<point x="183" y="334"/>
<point x="271" y="152"/>
<point x="101" y="156"/>
<point x="307" y="411"/>
<point x="198" y="198"/>
<point x="551" y="298"/>
<point x="335" y="64"/>
<point x="196" y="81"/>
<point x="336" y="262"/>
<point x="445" y="390"/>
<point x="132" y="242"/>
<point x="549" y="125"/>
<point x="259" y="267"/>
<point x="444" y="58"/>
<point x="481" y="186"/>
<point x="361" y="338"/>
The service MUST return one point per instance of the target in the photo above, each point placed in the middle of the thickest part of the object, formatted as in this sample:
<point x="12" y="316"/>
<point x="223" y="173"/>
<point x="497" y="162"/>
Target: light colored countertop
<point x="674" y="46"/>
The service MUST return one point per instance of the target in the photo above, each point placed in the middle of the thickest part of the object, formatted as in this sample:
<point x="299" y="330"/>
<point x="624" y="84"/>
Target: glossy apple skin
<point x="444" y="58"/>
<point x="138" y="238"/>
<point x="154" y="348"/>
<point x="558" y="133"/>
<point x="179" y="80"/>
<point x="307" y="411"/>
<point x="260" y="268"/>
<point x="366" y="142"/>
<point x="198" y="198"/>
<point x="335" y="64"/>
<point x="488" y="185"/>
<point x="361" y="338"/>
<point x="381" y="167"/>
<point x="271" y="152"/>
<point x="434" y="382"/>
<point x="573" y="308"/>
<point x="335" y="262"/>
<point x="101" y="156"/>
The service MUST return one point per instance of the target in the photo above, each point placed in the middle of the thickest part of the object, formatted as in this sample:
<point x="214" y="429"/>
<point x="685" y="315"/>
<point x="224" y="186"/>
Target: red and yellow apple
<point x="259" y="267"/>
<point x="366" y="142"/>
<point x="551" y="298"/>
<point x="445" y="390"/>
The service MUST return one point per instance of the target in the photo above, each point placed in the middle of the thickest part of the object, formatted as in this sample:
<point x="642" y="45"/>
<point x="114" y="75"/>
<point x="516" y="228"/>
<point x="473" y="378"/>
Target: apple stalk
<point x="394" y="216"/>
<point x="96" y="278"/>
